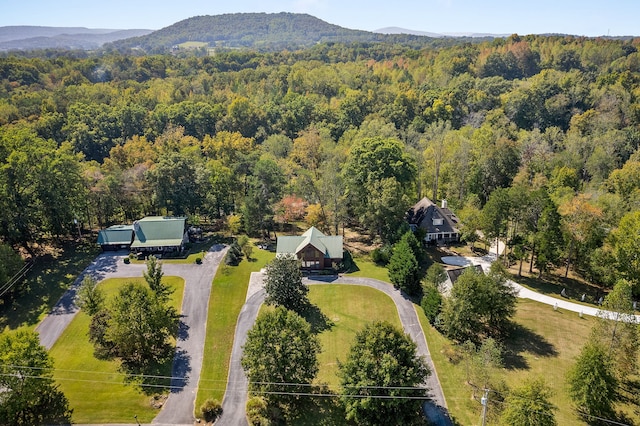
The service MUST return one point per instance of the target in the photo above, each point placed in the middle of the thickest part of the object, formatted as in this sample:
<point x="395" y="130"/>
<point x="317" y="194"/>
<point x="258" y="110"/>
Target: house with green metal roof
<point x="159" y="234"/>
<point x="152" y="234"/>
<point x="313" y="248"/>
<point x="116" y="237"/>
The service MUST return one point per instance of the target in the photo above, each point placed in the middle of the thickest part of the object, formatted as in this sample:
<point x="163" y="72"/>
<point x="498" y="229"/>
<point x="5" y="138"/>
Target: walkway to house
<point x="235" y="397"/>
<point x="187" y="364"/>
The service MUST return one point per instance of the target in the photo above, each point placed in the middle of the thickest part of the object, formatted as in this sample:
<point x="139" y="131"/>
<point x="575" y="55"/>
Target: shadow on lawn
<point x="525" y="340"/>
<point x="319" y="410"/>
<point x="317" y="319"/>
<point x="168" y="373"/>
<point x="554" y="284"/>
<point x="52" y="274"/>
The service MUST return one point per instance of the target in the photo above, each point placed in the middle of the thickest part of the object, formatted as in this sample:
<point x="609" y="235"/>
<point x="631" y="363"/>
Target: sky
<point x="577" y="17"/>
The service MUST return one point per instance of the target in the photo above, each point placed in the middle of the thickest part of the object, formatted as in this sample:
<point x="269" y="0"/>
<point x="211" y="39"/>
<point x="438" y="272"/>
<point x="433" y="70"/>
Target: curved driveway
<point x="526" y="293"/>
<point x="187" y="364"/>
<point x="235" y="397"/>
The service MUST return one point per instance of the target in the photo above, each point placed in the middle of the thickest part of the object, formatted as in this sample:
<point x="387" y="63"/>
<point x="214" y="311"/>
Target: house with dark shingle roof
<point x="313" y="248"/>
<point x="438" y="222"/>
<point x="454" y="274"/>
<point x="152" y="234"/>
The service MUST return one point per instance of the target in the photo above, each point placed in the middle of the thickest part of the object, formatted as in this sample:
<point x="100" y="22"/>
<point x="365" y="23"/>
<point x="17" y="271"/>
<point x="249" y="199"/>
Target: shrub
<point x="347" y="264"/>
<point x="257" y="412"/>
<point x="431" y="303"/>
<point x="198" y="260"/>
<point x="127" y="260"/>
<point x="381" y="255"/>
<point x="234" y="255"/>
<point x="211" y="410"/>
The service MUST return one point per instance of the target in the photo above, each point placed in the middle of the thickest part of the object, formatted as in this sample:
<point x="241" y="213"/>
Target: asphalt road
<point x="106" y="265"/>
<point x="187" y="364"/>
<point x="235" y="398"/>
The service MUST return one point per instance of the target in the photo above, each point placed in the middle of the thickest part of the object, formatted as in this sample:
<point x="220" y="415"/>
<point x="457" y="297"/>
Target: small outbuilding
<point x="116" y="237"/>
<point x="454" y="274"/>
<point x="315" y="249"/>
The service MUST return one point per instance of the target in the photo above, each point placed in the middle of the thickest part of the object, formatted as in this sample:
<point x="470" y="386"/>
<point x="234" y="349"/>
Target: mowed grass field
<point x="347" y="308"/>
<point x="545" y="344"/>
<point x="227" y="297"/>
<point x="96" y="389"/>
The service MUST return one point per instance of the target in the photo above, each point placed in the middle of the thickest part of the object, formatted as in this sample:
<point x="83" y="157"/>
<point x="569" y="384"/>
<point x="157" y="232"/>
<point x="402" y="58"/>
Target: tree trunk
<point x="520" y="268"/>
<point x="566" y="272"/>
<point x="533" y="255"/>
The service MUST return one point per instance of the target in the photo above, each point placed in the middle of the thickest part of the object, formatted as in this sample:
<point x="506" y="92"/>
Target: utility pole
<point x="484" y="401"/>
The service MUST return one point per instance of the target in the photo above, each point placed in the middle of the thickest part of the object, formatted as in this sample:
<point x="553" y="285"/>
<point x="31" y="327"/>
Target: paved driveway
<point x="187" y="363"/>
<point x="526" y="293"/>
<point x="235" y="397"/>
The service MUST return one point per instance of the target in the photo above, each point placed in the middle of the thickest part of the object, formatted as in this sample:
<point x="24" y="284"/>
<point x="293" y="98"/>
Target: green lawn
<point x="452" y="377"/>
<point x="193" y="44"/>
<point x="227" y="297"/>
<point x="347" y="309"/>
<point x="95" y="388"/>
<point x="50" y="277"/>
<point x="545" y="344"/>
<point x="368" y="268"/>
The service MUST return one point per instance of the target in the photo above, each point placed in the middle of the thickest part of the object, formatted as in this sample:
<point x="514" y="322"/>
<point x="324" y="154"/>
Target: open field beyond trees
<point x="110" y="399"/>
<point x="545" y="344"/>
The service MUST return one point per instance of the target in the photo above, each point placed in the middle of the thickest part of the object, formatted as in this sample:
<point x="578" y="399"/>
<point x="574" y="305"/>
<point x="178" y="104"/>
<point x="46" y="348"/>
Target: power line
<point x="265" y="392"/>
<point x="270" y="392"/>
<point x="148" y="376"/>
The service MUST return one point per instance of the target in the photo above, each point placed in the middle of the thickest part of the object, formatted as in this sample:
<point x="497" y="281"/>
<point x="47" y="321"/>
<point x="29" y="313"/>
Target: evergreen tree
<point x="529" y="405"/>
<point x="592" y="382"/>
<point x="404" y="271"/>
<point x="283" y="284"/>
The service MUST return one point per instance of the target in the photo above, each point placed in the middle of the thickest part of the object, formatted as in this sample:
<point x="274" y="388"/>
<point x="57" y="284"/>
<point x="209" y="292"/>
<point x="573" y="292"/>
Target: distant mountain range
<point x="398" y="30"/>
<point x="31" y="37"/>
<point x="263" y="31"/>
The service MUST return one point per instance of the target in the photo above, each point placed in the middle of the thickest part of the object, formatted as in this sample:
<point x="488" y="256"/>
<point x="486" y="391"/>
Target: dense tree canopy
<point x="358" y="131"/>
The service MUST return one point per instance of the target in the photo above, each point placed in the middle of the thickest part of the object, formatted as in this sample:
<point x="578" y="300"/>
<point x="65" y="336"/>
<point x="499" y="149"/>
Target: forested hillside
<point x="264" y="31"/>
<point x="30" y="38"/>
<point x="538" y="133"/>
